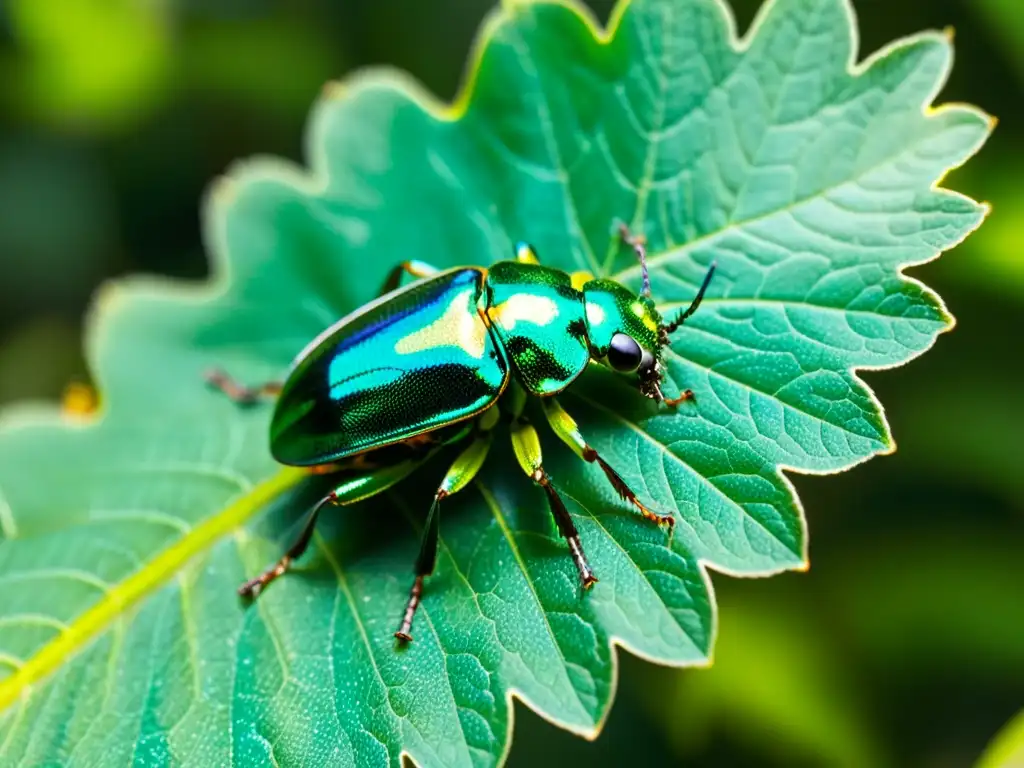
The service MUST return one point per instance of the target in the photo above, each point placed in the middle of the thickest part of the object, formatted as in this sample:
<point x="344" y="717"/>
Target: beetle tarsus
<point x="568" y="530"/>
<point x="567" y="430"/>
<point x="410" y="610"/>
<point x="254" y="587"/>
<point x="238" y="393"/>
<point x="672" y="402"/>
<point x="660" y="520"/>
<point x="626" y="493"/>
<point x="579" y="559"/>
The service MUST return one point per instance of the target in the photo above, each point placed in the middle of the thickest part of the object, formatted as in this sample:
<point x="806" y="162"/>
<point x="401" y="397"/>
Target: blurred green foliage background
<point x="904" y="643"/>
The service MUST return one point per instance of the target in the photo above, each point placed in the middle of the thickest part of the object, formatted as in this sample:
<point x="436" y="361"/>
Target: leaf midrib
<point x="551" y="144"/>
<point x="643" y="187"/>
<point x="140" y="584"/>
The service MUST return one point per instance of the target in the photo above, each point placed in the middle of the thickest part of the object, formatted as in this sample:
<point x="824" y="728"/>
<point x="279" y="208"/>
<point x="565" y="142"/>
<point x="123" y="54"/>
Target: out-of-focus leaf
<point x="271" y="63"/>
<point x="37" y="359"/>
<point x="810" y="182"/>
<point x="1006" y="21"/>
<point x="92" y="63"/>
<point x="773" y="685"/>
<point x="995" y="260"/>
<point x="801" y="673"/>
<point x="950" y="595"/>
<point x="985" y="412"/>
<point x="58" y="236"/>
<point x="1007" y="748"/>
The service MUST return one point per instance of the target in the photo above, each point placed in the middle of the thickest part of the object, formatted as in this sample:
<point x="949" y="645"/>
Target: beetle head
<point x="627" y="332"/>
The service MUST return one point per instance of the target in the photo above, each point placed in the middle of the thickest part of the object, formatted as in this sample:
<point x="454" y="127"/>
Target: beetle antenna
<point x="639" y="245"/>
<point x="681" y="317"/>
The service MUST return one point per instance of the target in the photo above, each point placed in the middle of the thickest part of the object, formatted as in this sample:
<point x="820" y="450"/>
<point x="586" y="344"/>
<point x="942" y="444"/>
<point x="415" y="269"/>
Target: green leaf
<point x="813" y="671"/>
<point x="1007" y="27"/>
<point x="811" y="182"/>
<point x="103" y="64"/>
<point x="1007" y="749"/>
<point x="994" y="264"/>
<point x="775" y="687"/>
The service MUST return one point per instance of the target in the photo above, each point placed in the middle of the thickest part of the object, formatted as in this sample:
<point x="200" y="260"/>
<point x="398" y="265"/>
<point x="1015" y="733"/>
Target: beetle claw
<point x="250" y="589"/>
<point x="241" y="395"/>
<point x="672" y="402"/>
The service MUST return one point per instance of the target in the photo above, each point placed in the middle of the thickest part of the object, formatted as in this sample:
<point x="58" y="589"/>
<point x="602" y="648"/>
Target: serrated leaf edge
<point x="104" y="311"/>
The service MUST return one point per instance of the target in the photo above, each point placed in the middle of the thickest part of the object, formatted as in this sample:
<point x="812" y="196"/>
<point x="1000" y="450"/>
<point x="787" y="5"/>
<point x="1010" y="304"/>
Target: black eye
<point x="624" y="354"/>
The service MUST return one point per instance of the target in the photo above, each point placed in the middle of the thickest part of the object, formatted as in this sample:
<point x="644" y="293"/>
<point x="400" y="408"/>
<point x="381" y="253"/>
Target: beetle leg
<point x="672" y="402"/>
<point x="527" y="449"/>
<point x="418" y="269"/>
<point x="239" y="393"/>
<point x="358" y="485"/>
<point x="568" y="432"/>
<point x="254" y="587"/>
<point x="462" y="470"/>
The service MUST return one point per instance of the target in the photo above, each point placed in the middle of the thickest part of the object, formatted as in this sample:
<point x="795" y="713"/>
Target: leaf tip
<point x="889" y="448"/>
<point x="223" y="190"/>
<point x="333" y="90"/>
<point x="513" y="5"/>
<point x="79" y="400"/>
<point x="105" y="298"/>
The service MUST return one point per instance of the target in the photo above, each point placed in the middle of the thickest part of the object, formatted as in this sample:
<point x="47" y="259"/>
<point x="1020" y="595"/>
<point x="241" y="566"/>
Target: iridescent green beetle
<point x="434" y="363"/>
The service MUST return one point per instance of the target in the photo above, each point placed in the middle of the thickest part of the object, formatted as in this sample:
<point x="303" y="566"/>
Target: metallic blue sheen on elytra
<point x="421" y="368"/>
<point x="410" y="362"/>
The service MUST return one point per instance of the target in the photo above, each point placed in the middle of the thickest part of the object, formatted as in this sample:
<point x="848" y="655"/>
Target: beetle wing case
<point x="418" y="359"/>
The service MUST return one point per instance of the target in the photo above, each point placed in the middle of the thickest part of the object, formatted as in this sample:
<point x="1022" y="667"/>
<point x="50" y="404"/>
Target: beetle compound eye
<point x="624" y="354"/>
<point x="647" y="362"/>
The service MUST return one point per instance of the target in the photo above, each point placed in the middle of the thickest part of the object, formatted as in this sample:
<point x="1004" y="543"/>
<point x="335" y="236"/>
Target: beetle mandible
<point x="429" y="364"/>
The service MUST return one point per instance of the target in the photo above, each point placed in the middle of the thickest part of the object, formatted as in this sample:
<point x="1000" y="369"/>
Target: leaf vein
<point x="361" y="628"/>
<point x="521" y="562"/>
<point x="656" y="260"/>
<point x="572" y="217"/>
<point x="705" y="481"/>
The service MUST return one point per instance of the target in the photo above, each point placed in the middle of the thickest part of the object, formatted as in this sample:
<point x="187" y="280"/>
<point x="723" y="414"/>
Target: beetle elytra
<point x="436" y="362"/>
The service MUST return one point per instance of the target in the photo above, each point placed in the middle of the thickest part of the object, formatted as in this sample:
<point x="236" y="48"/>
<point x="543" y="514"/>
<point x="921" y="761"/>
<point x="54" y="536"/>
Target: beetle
<point x="433" y="364"/>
